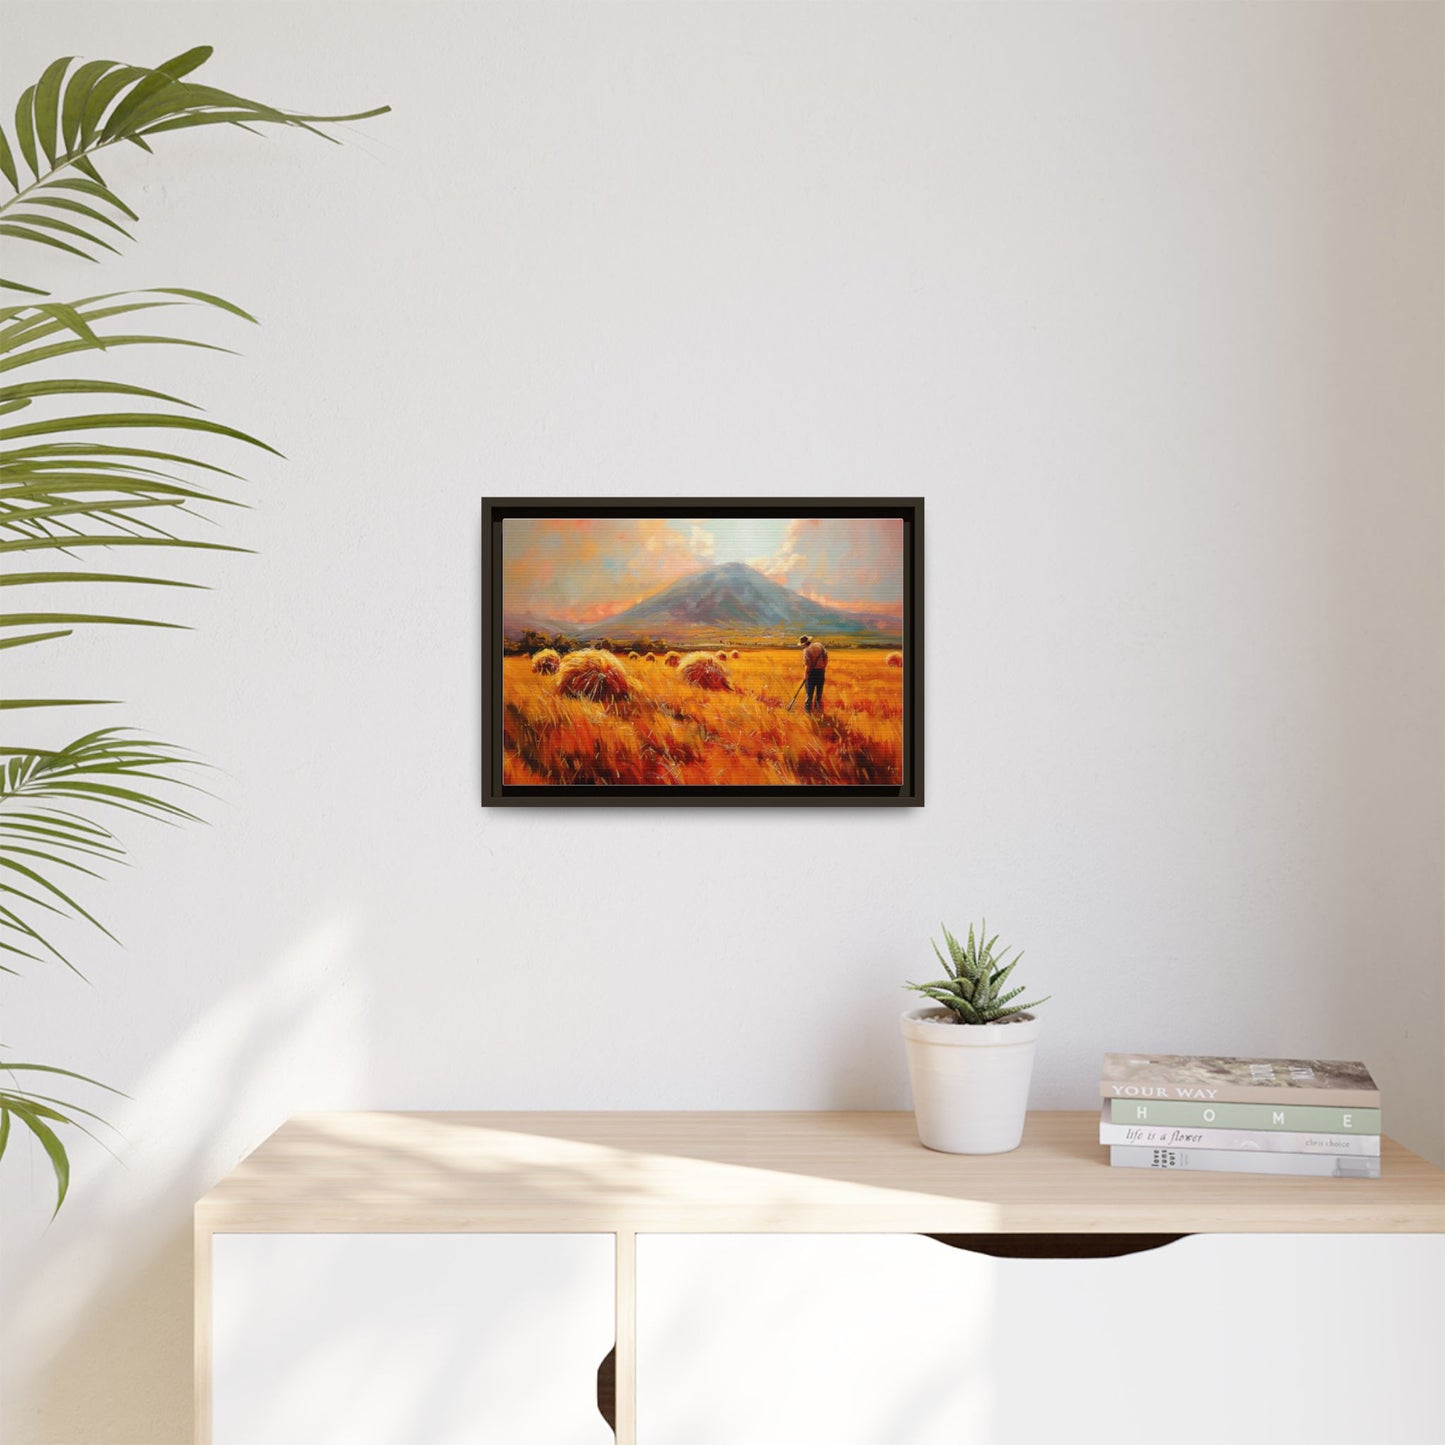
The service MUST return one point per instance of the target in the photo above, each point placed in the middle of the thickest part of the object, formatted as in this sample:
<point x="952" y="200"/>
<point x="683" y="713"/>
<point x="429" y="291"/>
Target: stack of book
<point x="1242" y="1116"/>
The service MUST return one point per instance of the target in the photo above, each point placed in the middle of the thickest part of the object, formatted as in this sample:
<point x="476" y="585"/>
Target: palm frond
<point x="59" y="199"/>
<point x="64" y="490"/>
<point x="41" y="1113"/>
<point x="74" y="482"/>
<point x="41" y="832"/>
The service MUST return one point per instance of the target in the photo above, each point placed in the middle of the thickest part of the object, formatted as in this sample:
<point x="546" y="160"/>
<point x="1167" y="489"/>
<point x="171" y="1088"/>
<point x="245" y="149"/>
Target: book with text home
<point x="1241" y="1081"/>
<point x="1301" y="1118"/>
<point x="1264" y="1141"/>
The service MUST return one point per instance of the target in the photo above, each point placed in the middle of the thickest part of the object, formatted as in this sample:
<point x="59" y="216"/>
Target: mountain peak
<point x="737" y="572"/>
<point x="730" y="599"/>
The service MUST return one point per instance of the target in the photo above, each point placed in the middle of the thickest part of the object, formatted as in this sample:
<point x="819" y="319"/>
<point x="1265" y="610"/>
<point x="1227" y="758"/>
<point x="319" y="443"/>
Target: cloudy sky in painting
<point x="582" y="569"/>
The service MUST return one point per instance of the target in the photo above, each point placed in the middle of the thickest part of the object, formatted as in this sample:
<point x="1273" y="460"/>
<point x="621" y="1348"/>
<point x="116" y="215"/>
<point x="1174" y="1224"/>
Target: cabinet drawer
<point x="865" y="1339"/>
<point x="391" y="1339"/>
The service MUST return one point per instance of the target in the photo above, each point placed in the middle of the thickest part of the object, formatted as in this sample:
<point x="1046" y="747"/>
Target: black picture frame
<point x="909" y="793"/>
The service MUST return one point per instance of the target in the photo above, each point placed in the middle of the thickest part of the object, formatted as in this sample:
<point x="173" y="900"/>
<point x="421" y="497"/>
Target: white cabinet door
<point x="900" y="1340"/>
<point x="410" y="1339"/>
<point x="807" y="1340"/>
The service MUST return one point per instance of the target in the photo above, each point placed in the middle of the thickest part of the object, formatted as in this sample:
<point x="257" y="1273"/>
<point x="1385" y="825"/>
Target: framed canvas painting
<point x="702" y="652"/>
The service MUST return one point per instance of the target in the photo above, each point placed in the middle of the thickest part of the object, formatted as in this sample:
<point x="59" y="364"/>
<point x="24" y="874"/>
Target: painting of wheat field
<point x="702" y="653"/>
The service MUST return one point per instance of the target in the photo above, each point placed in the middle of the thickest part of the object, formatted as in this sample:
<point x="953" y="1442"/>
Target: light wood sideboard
<point x="574" y="1214"/>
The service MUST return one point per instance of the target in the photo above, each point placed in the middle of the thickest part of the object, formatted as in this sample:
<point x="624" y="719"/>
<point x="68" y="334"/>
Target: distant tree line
<point x="530" y="640"/>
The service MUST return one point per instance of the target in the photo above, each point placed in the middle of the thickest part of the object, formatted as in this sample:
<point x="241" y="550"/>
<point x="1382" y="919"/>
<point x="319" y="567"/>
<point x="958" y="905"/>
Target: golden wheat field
<point x="670" y="731"/>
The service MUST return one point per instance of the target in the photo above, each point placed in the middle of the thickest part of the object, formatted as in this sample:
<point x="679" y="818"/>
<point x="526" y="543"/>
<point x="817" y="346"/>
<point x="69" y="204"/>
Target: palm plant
<point x="76" y="483"/>
<point x="974" y="987"/>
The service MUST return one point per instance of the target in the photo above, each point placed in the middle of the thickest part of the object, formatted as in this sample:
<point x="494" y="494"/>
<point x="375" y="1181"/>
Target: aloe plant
<point x="974" y="987"/>
<point x="75" y="485"/>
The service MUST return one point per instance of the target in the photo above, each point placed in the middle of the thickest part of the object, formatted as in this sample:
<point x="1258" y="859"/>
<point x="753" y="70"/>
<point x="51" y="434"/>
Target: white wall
<point x="1145" y="300"/>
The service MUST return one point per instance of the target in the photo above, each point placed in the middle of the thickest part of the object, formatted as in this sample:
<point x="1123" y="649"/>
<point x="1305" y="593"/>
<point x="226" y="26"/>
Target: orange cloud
<point x="581" y="569"/>
<point x="851" y="562"/>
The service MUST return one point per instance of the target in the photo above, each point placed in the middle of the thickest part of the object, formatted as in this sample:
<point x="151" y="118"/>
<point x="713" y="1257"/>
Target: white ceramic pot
<point x="970" y="1081"/>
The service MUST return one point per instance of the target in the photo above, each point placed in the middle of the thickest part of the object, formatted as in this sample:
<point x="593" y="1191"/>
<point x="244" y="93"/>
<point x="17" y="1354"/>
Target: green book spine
<point x="1306" y="1118"/>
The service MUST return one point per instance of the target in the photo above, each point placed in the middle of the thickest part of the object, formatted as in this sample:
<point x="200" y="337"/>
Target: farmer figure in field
<point x="815" y="668"/>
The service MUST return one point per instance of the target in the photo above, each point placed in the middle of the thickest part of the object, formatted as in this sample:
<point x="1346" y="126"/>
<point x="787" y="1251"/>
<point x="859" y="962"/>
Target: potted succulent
<point x="970" y="1058"/>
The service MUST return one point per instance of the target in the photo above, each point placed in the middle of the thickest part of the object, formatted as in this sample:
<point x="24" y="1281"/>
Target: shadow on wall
<point x="862" y="1058"/>
<point x="97" y="1338"/>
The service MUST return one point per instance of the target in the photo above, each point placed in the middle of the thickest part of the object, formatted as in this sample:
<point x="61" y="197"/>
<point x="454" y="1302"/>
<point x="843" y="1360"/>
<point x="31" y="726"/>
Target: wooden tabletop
<point x="827" y="1172"/>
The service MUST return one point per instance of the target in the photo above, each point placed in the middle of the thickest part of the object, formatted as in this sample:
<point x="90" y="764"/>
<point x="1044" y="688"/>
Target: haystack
<point x="650" y="657"/>
<point x="634" y="656"/>
<point x="895" y="659"/>
<point x="736" y="653"/>
<point x="722" y="656"/>
<point x="673" y="658"/>
<point x="702" y="670"/>
<point x="546" y="661"/>
<point x="593" y="674"/>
